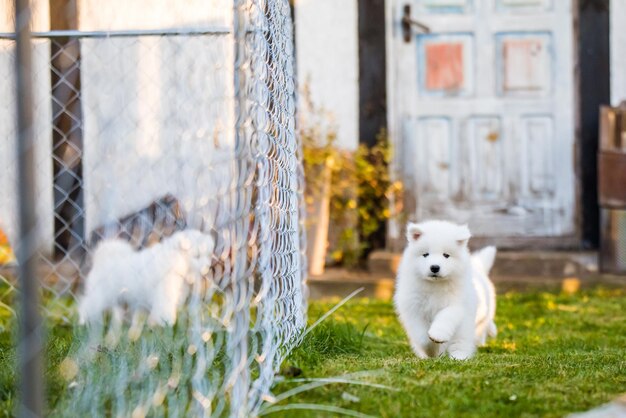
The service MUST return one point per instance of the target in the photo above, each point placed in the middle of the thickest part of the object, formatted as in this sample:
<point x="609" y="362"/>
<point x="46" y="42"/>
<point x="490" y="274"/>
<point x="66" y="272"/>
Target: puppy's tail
<point x="486" y="256"/>
<point x="492" y="330"/>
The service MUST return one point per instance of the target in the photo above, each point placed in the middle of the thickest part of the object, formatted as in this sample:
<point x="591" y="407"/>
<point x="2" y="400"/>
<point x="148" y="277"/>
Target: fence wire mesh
<point x="169" y="200"/>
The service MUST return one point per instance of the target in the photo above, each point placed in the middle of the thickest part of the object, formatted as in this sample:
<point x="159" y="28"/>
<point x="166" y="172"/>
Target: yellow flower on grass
<point x="6" y="255"/>
<point x="509" y="345"/>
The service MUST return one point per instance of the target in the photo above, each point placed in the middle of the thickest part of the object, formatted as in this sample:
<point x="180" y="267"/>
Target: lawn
<point x="555" y="354"/>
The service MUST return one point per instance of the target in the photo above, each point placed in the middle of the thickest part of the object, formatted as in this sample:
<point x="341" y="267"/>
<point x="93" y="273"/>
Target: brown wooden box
<point x="612" y="189"/>
<point x="613" y="128"/>
<point x="612" y="157"/>
<point x="612" y="179"/>
<point x="612" y="254"/>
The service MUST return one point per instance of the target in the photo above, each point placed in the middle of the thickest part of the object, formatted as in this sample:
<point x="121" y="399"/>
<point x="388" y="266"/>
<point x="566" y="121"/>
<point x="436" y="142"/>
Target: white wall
<point x="153" y="14"/>
<point x="327" y="56"/>
<point x="158" y="112"/>
<point x="618" y="51"/>
<point x="42" y="132"/>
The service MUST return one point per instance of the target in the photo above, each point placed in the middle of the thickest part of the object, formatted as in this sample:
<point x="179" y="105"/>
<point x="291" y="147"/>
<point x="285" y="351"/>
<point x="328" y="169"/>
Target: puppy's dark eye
<point x="446" y="255"/>
<point x="425" y="255"/>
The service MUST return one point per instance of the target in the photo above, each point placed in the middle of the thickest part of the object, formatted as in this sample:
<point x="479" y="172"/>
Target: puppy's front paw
<point x="420" y="353"/>
<point x="461" y="355"/>
<point x="438" y="335"/>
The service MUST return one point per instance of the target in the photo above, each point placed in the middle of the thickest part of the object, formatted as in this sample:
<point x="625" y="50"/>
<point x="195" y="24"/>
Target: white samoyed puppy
<point x="443" y="296"/>
<point x="152" y="279"/>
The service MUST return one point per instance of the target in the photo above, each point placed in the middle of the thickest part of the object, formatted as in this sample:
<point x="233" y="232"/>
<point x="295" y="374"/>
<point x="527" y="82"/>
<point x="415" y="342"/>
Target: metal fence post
<point x="30" y="338"/>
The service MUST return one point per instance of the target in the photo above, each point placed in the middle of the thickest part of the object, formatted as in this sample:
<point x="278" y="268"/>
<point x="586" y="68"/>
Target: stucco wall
<point x="618" y="51"/>
<point x="327" y="56"/>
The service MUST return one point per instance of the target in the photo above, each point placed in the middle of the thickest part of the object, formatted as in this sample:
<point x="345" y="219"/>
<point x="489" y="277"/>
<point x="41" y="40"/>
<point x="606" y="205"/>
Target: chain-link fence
<point x="168" y="199"/>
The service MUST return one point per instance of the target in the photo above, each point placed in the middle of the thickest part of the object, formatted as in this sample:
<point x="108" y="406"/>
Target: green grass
<point x="555" y="354"/>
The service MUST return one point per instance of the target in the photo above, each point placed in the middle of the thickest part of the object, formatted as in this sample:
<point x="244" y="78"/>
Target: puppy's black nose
<point x="434" y="269"/>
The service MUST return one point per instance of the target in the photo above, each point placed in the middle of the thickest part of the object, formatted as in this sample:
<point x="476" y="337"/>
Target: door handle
<point x="408" y="23"/>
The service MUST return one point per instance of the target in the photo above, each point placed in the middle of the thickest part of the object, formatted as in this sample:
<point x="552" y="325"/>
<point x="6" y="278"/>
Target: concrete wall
<point x="327" y="56"/>
<point x="618" y="51"/>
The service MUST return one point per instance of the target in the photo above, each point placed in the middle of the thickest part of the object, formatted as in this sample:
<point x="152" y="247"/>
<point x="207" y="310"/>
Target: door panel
<point x="435" y="135"/>
<point x="444" y="6"/>
<point x="485" y="157"/>
<point x="521" y="6"/>
<point x="524" y="64"/>
<point x="481" y="111"/>
<point x="538" y="134"/>
<point x="446" y="65"/>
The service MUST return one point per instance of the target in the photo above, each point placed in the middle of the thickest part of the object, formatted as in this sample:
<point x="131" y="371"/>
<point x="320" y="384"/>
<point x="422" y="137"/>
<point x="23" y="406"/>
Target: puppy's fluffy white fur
<point x="443" y="296"/>
<point x="482" y="261"/>
<point x="152" y="279"/>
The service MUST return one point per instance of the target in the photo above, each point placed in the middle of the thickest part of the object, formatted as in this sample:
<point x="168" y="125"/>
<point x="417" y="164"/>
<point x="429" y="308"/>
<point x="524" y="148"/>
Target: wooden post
<point x="594" y="90"/>
<point x="320" y="217"/>
<point x="67" y="133"/>
<point x="372" y="84"/>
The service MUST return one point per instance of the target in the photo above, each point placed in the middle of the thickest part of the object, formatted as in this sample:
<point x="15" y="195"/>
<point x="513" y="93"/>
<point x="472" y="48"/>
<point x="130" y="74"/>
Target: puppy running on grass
<point x="444" y="297"/>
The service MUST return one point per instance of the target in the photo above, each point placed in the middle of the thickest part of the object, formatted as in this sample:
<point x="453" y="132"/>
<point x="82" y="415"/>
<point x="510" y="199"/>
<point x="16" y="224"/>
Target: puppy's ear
<point x="413" y="232"/>
<point x="463" y="235"/>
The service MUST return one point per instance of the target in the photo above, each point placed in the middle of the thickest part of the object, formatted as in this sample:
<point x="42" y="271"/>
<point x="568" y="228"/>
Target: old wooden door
<point x="481" y="113"/>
